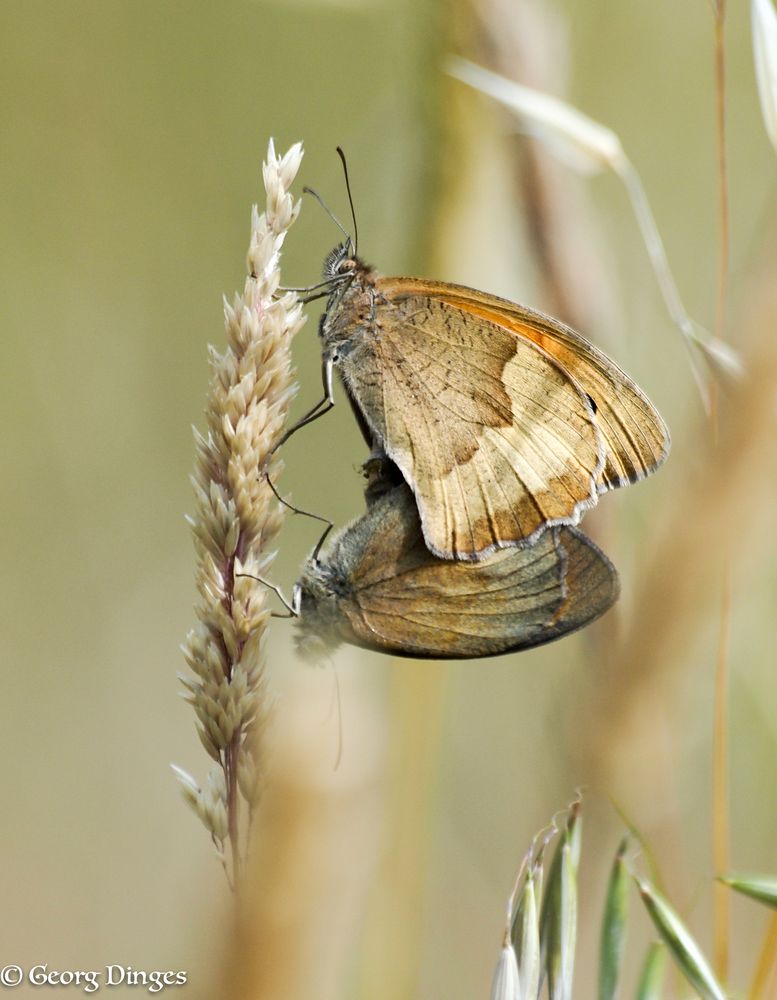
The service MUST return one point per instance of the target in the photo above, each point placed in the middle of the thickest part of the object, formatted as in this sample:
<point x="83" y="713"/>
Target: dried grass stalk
<point x="317" y="838"/>
<point x="236" y="518"/>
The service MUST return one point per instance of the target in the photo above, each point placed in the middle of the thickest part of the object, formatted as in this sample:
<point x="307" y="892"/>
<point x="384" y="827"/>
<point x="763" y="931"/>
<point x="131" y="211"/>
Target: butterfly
<point x="378" y="586"/>
<point x="502" y="420"/>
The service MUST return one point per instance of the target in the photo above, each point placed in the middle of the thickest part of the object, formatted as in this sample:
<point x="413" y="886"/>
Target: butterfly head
<point x="348" y="280"/>
<point x="340" y="262"/>
<point x="317" y="624"/>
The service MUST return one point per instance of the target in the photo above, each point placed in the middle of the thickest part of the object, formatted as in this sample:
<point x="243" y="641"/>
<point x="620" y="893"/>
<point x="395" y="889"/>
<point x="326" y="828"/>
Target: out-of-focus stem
<point x="720" y="789"/>
<point x="766" y="969"/>
<point x="720" y="803"/>
<point x="315" y="843"/>
<point x="711" y="513"/>
<point x="720" y="109"/>
<point x="393" y="935"/>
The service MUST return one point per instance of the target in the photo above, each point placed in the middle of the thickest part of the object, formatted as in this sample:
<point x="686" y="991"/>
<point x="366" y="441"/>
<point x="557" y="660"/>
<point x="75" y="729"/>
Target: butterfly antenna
<point x="341" y="154"/>
<point x="329" y="212"/>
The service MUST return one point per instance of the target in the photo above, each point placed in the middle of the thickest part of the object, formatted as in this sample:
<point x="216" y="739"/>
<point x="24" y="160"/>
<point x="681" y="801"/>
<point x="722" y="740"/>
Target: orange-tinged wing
<point x="496" y="440"/>
<point x="635" y="436"/>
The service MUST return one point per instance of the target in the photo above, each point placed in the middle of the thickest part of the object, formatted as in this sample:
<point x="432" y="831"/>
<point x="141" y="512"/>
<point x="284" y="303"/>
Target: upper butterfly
<point x="503" y="420"/>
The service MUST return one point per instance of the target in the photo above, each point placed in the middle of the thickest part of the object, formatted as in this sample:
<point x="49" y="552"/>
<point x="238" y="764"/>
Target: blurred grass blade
<point x="559" y="909"/>
<point x="574" y="832"/>
<point x="551" y="905"/>
<point x="560" y="923"/>
<point x="506" y="984"/>
<point x="552" y="894"/>
<point x="616" y="910"/>
<point x="723" y="360"/>
<point x="666" y="283"/>
<point x="651" y="980"/>
<point x="556" y="123"/>
<point x="528" y="947"/>
<point x="681" y="945"/>
<point x="549" y="116"/>
<point x="568" y="918"/>
<point x="645" y="850"/>
<point x="538" y="875"/>
<point x="518" y="916"/>
<point x="764" y="23"/>
<point x="760" y="887"/>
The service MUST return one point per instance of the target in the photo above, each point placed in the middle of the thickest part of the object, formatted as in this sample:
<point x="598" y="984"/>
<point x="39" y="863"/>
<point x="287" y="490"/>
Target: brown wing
<point x="394" y="596"/>
<point x="495" y="438"/>
<point x="591" y="583"/>
<point x="635" y="435"/>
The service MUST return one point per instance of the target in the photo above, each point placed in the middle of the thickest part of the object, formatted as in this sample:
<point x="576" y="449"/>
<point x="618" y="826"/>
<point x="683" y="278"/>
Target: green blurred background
<point x="133" y="136"/>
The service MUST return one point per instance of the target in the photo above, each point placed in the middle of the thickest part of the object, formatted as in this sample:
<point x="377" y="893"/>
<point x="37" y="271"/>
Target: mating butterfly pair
<point x="495" y="428"/>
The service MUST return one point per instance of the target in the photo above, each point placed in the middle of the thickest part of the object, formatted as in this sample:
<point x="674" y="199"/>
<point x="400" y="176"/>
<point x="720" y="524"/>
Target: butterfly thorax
<point x="350" y="308"/>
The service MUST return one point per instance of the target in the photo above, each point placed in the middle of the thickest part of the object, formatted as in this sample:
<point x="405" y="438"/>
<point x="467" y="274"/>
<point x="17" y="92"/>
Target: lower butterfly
<point x="378" y="586"/>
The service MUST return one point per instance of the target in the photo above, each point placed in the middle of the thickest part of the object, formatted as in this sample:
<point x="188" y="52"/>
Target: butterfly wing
<point x="399" y="598"/>
<point x="635" y="436"/>
<point x="591" y="583"/>
<point x="495" y="438"/>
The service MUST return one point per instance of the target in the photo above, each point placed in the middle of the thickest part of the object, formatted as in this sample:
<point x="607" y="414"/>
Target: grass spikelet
<point x="651" y="977"/>
<point x="558" y="922"/>
<point x="683" y="948"/>
<point x="616" y="910"/>
<point x="530" y="962"/>
<point x="506" y="983"/>
<point x="760" y="887"/>
<point x="236" y="518"/>
<point x="546" y="947"/>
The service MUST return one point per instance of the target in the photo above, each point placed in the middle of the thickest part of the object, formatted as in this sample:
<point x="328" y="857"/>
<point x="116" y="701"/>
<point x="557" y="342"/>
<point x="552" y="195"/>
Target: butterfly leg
<point x="292" y="606"/>
<point x="325" y="284"/>
<point x="322" y="407"/>
<point x="318" y="291"/>
<point x="298" y="510"/>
